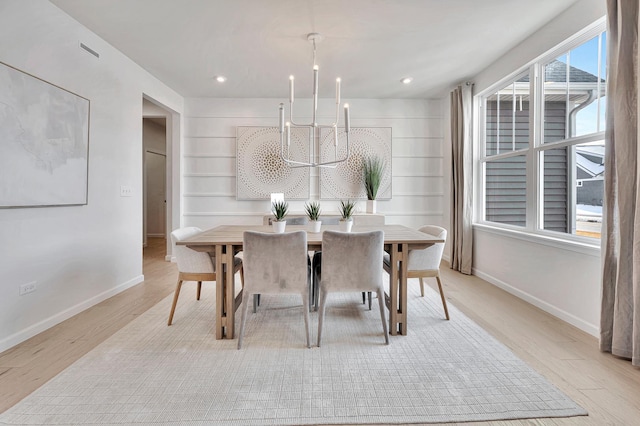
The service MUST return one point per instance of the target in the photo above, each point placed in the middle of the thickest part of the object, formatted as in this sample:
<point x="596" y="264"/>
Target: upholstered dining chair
<point x="352" y="261"/>
<point x="425" y="263"/>
<point x="295" y="220"/>
<point x="317" y="269"/>
<point x="193" y="265"/>
<point x="275" y="264"/>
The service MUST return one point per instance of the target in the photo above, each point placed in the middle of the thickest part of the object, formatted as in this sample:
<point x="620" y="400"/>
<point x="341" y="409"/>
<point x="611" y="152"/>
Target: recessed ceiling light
<point x="406" y="80"/>
<point x="221" y="78"/>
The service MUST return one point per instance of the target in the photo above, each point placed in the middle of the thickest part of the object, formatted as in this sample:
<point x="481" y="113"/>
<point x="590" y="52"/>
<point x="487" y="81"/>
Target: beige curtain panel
<point x="620" y="314"/>
<point x="462" y="184"/>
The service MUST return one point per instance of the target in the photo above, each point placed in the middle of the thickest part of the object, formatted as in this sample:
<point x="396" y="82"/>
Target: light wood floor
<point x="607" y="387"/>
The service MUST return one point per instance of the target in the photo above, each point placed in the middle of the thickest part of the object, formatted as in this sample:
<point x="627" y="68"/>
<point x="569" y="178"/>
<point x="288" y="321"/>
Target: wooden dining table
<point x="224" y="242"/>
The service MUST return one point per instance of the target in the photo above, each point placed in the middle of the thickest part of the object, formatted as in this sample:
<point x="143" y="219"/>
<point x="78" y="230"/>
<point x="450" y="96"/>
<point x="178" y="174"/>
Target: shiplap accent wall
<point x="209" y="158"/>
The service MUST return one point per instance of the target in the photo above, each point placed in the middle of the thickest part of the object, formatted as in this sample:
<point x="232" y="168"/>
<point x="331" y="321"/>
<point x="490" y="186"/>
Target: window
<point x="541" y="158"/>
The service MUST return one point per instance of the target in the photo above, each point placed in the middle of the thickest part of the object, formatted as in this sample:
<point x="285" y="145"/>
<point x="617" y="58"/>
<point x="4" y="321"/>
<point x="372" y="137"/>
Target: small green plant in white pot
<point x="313" y="213"/>
<point x="347" y="208"/>
<point x="279" y="210"/>
<point x="373" y="170"/>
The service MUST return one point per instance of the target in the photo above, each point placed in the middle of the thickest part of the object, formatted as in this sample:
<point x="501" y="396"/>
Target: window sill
<point x="583" y="247"/>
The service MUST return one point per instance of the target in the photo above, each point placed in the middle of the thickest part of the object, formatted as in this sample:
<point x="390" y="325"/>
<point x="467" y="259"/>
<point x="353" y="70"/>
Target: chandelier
<point x="314" y="127"/>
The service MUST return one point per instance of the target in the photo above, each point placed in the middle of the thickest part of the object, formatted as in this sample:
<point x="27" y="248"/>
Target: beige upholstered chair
<point x="291" y="220"/>
<point x="352" y="262"/>
<point x="425" y="263"/>
<point x="193" y="265"/>
<point x="275" y="263"/>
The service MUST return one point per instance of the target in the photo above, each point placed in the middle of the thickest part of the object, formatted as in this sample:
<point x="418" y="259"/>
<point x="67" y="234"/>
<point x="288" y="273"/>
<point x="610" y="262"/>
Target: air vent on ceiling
<point x="90" y="50"/>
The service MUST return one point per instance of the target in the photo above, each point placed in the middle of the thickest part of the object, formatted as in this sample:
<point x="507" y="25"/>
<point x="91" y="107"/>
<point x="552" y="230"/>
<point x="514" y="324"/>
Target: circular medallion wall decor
<point x="261" y="171"/>
<point x="346" y="180"/>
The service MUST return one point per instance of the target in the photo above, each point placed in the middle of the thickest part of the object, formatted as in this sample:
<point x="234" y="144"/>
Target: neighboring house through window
<point x="541" y="156"/>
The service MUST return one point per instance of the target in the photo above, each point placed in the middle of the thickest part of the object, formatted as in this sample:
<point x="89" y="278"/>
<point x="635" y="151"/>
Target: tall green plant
<point x="373" y="169"/>
<point x="280" y="210"/>
<point x="347" y="208"/>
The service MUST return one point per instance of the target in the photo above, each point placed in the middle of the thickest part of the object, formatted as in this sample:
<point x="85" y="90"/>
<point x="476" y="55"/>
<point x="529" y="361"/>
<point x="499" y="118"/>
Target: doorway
<point x="161" y="131"/>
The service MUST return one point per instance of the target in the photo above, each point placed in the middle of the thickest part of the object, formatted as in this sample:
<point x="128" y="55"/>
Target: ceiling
<point x="257" y="44"/>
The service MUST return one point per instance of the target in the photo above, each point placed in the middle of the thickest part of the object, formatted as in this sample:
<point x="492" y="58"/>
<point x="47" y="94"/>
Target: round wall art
<point x="261" y="170"/>
<point x="346" y="180"/>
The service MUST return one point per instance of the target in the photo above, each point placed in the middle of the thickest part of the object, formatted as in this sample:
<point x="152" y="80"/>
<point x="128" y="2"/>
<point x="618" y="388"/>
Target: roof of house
<point x="556" y="72"/>
<point x="584" y="156"/>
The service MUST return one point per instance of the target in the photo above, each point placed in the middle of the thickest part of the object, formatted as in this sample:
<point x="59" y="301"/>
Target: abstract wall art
<point x="44" y="142"/>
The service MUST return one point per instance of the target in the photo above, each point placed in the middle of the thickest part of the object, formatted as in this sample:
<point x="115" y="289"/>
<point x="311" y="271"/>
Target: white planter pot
<point x="371" y="206"/>
<point x="315" y="225"/>
<point x="278" y="227"/>
<point x="345" y="225"/>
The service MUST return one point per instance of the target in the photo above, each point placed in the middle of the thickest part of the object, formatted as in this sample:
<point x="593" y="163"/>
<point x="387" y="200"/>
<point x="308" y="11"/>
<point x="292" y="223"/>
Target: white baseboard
<point x="539" y="303"/>
<point x="47" y="323"/>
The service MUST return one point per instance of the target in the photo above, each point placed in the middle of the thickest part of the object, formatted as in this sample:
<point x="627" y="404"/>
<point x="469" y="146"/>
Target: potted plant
<point x="313" y="212"/>
<point x="346" y="212"/>
<point x="279" y="210"/>
<point x="373" y="169"/>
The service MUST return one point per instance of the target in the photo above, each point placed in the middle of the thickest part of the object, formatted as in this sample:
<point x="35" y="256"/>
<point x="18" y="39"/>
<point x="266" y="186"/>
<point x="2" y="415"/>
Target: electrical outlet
<point x="27" y="288"/>
<point x="126" y="191"/>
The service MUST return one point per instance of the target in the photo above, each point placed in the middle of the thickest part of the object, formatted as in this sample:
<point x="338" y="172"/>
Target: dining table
<point x="225" y="241"/>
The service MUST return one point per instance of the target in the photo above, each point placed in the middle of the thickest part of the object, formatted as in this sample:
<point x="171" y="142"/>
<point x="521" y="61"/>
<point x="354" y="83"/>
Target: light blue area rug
<point x="148" y="373"/>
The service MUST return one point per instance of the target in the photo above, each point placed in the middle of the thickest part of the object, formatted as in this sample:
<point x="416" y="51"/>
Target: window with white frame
<point x="541" y="156"/>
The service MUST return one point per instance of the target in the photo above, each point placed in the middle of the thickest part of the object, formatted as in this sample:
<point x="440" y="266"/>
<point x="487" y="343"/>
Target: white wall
<point x="209" y="162"/>
<point x="78" y="255"/>
<point x="564" y="281"/>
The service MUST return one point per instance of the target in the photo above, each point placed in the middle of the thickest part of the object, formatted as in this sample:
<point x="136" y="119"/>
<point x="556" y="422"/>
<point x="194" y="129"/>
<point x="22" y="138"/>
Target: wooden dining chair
<point x="193" y="265"/>
<point x="425" y="263"/>
<point x="352" y="262"/>
<point x="275" y="264"/>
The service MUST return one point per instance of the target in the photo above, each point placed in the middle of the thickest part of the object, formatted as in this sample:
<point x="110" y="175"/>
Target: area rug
<point x="148" y="373"/>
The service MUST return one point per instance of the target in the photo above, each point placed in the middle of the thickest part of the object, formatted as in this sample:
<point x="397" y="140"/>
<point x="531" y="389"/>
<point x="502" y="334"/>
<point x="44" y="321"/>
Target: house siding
<point x="556" y="170"/>
<point x="506" y="183"/>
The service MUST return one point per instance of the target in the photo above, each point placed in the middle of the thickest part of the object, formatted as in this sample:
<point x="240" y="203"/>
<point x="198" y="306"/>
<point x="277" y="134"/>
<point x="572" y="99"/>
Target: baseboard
<point x="539" y="303"/>
<point x="47" y="323"/>
<point x="170" y="258"/>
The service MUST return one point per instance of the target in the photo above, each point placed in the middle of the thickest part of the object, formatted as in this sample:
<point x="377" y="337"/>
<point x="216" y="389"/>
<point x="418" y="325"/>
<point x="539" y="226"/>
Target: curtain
<point x="620" y="312"/>
<point x="462" y="185"/>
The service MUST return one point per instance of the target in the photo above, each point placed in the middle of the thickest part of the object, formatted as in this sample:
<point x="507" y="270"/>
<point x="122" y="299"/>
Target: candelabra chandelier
<point x="314" y="127"/>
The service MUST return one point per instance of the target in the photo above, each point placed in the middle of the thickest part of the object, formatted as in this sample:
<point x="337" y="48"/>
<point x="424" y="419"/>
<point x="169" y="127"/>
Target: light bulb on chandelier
<point x="314" y="127"/>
